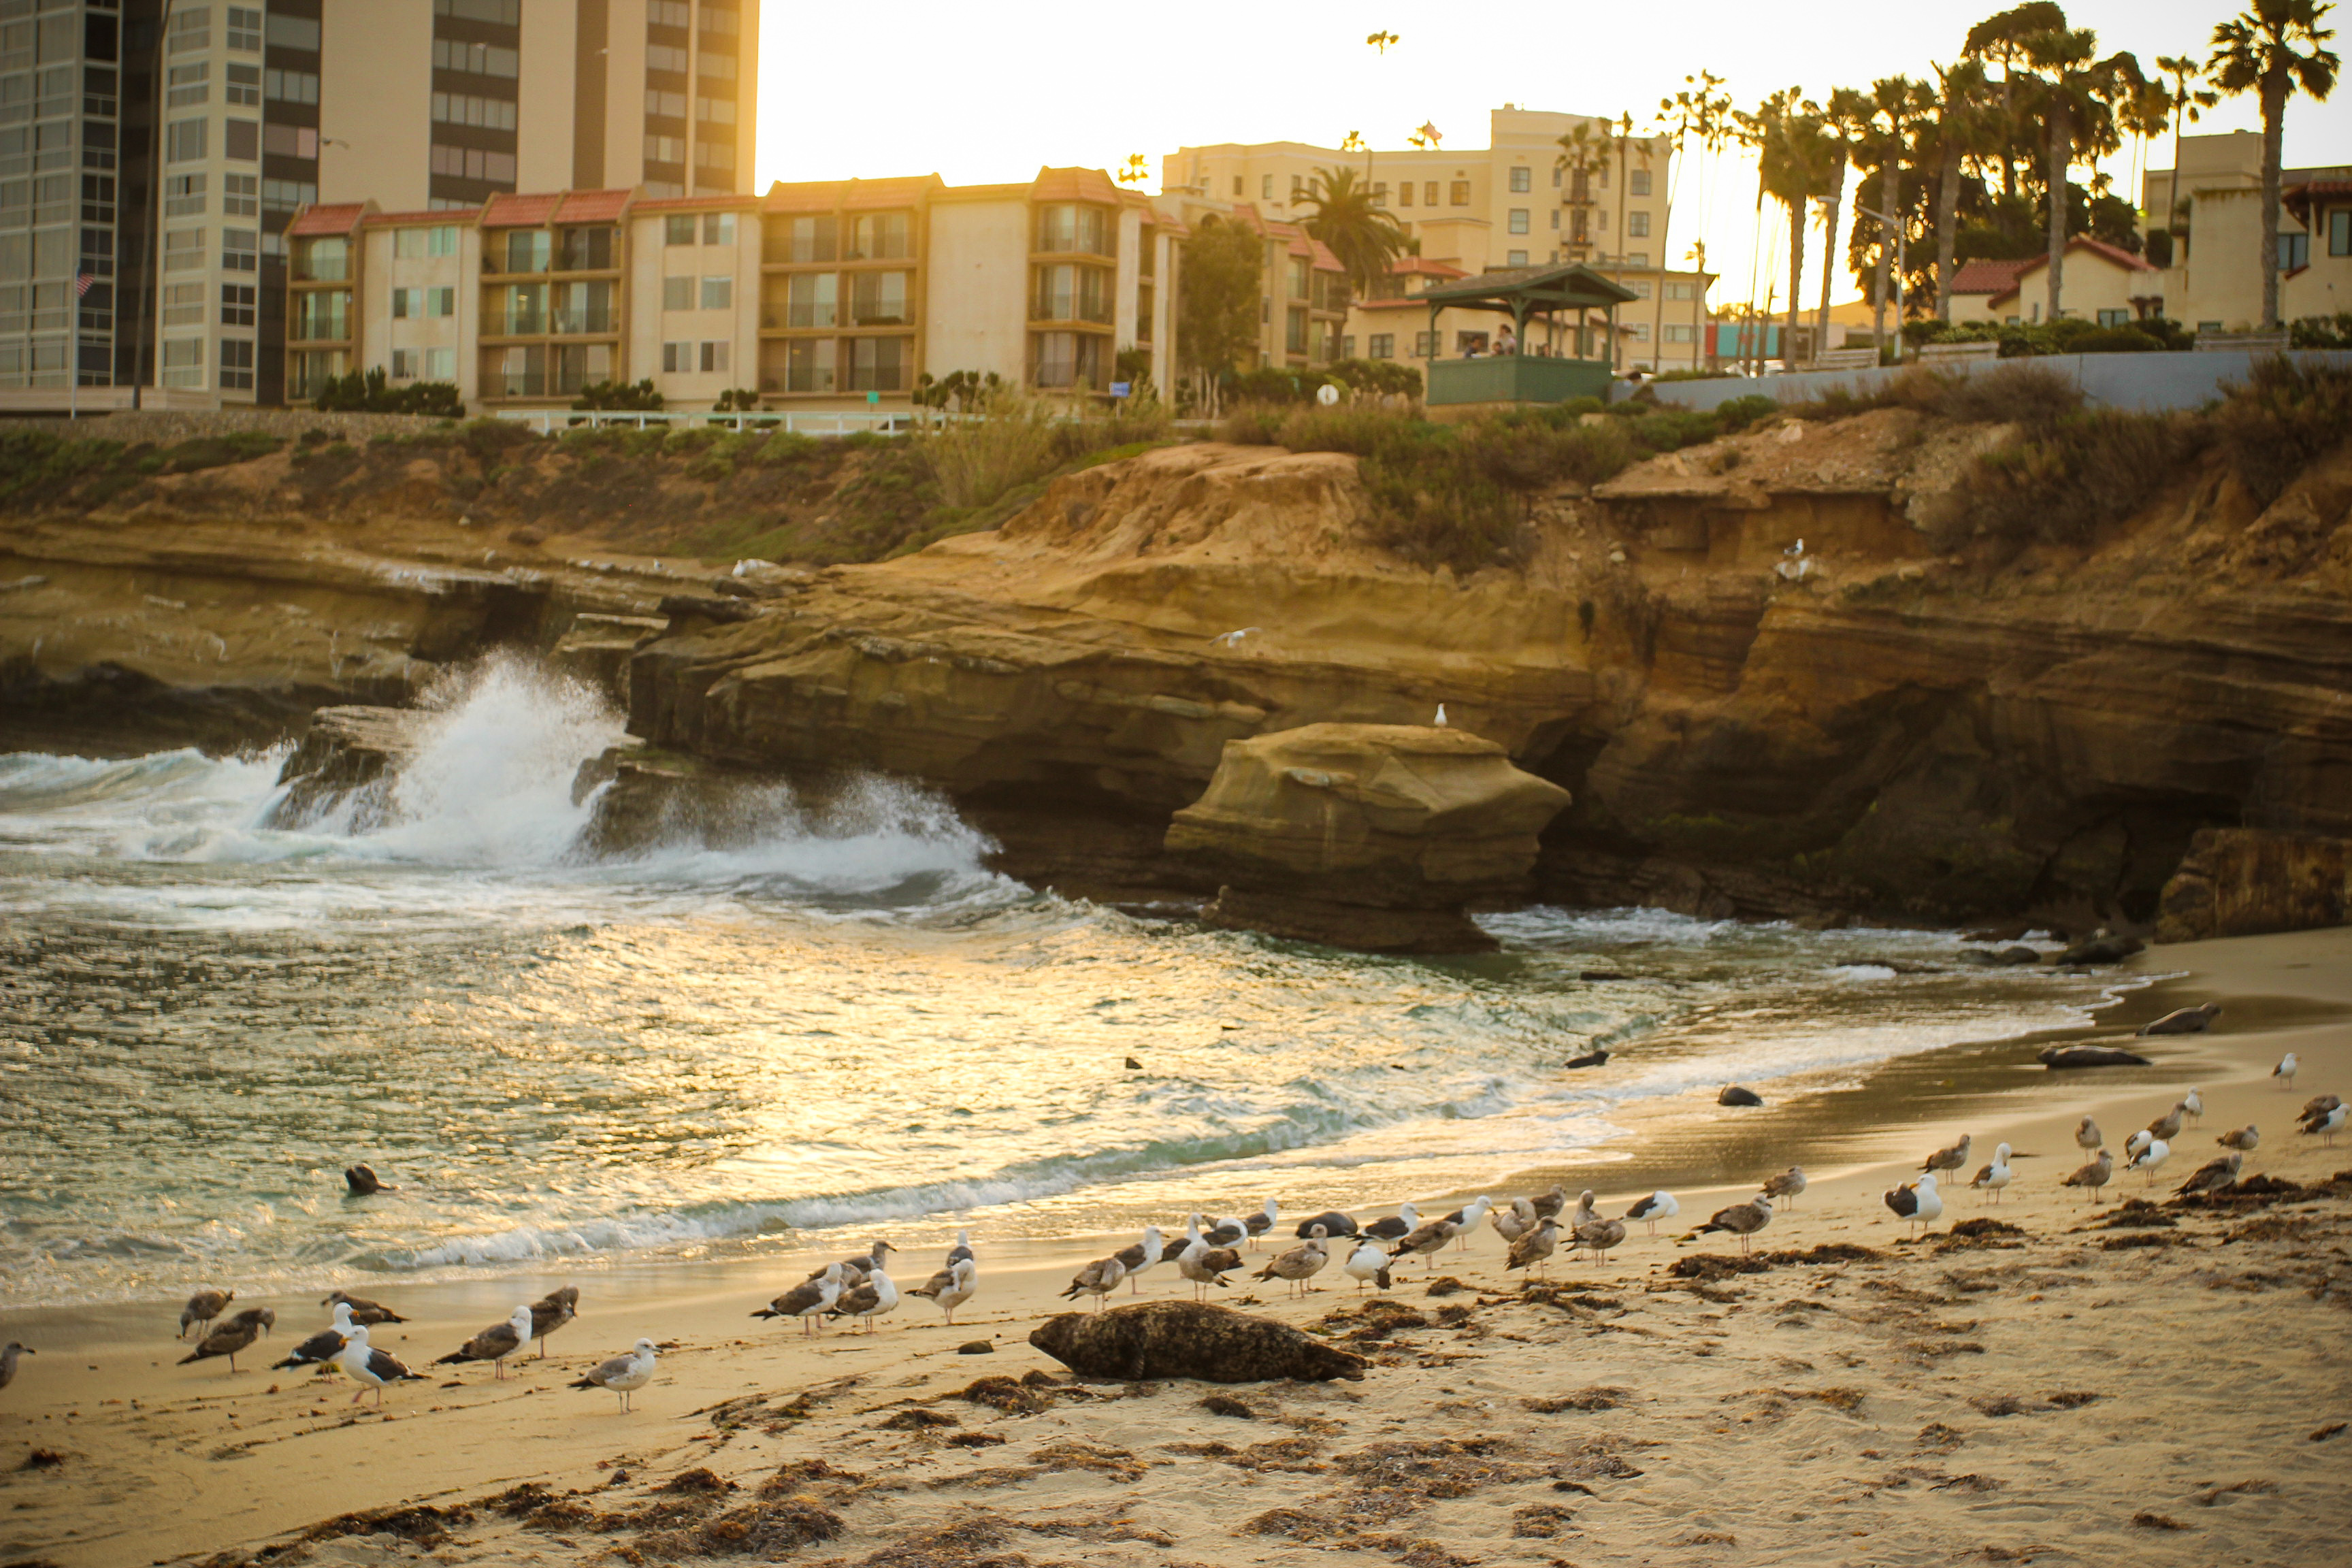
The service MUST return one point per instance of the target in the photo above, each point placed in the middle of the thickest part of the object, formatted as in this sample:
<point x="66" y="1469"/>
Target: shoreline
<point x="145" y="1475"/>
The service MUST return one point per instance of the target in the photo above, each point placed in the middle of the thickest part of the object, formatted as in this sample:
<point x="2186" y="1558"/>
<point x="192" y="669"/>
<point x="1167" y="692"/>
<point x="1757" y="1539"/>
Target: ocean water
<point x="848" y="1023"/>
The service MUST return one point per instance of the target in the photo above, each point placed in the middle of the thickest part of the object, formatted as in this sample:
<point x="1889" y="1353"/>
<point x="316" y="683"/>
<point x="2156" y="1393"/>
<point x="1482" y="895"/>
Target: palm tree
<point x="1583" y="153"/>
<point x="1364" y="238"/>
<point x="1849" y="119"/>
<point x="2186" y="105"/>
<point x="1960" y="96"/>
<point x="1796" y="157"/>
<point x="2002" y="39"/>
<point x="2274" y="49"/>
<point x="1900" y="109"/>
<point x="2076" y="95"/>
<point x="1698" y="111"/>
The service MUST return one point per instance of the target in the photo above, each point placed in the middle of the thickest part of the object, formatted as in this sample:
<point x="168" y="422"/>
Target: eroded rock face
<point x="2239" y="882"/>
<point x="346" y="752"/>
<point x="1366" y="836"/>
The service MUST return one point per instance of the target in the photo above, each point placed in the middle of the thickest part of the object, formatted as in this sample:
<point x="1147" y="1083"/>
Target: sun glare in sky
<point x="991" y="92"/>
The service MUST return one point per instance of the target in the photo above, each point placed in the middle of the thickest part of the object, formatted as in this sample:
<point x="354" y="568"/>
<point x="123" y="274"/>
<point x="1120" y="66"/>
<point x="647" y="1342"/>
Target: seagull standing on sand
<point x="1234" y="638"/>
<point x="2316" y="1105"/>
<point x="1229" y="1231"/>
<point x="1300" y="1264"/>
<point x="1584" y="1214"/>
<point x="2286" y="1068"/>
<point x="2094" y="1175"/>
<point x="1467" y="1219"/>
<point x="1266" y="1219"/>
<point x="1367" y="1264"/>
<point x="2156" y="1153"/>
<point x="1144" y="1254"/>
<point x="2214" y="1174"/>
<point x="1600" y="1236"/>
<point x="1742" y="1220"/>
<point x="550" y="1312"/>
<point x="622" y="1374"/>
<point x="234" y="1335"/>
<point x="1097" y="1279"/>
<point x="2193" y="1103"/>
<point x="1515" y="1221"/>
<point x="323" y="1346"/>
<point x="1205" y="1265"/>
<point x="1995" y="1176"/>
<point x="2087" y="1136"/>
<point x="1395" y="1226"/>
<point x="961" y="1250"/>
<point x="1786" y="1186"/>
<point x="1548" y="1204"/>
<point x="2247" y="1138"/>
<point x="2134" y="1143"/>
<point x="494" y="1344"/>
<point x="1917" y="1202"/>
<point x="870" y="1301"/>
<point x="1533" y="1251"/>
<point x="1951" y="1157"/>
<point x="203" y="1307"/>
<point x="1658" y="1205"/>
<point x="8" y="1362"/>
<point x="2326" y="1124"/>
<point x="371" y="1368"/>
<point x="963" y="1284"/>
<point x="1426" y="1241"/>
<point x="363" y="1311"/>
<point x="2168" y="1126"/>
<point x="807" y="1302"/>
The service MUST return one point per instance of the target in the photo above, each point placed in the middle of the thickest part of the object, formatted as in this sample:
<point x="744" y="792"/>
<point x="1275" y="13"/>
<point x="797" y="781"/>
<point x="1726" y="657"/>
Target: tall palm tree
<point x="1961" y="94"/>
<point x="1848" y="119"/>
<point x="1364" y="238"/>
<point x="1796" y="159"/>
<point x="2187" y="104"/>
<point x="2002" y="40"/>
<point x="1900" y="111"/>
<point x="1698" y="111"/>
<point x="2273" y="48"/>
<point x="1583" y="153"/>
<point x="2076" y="95"/>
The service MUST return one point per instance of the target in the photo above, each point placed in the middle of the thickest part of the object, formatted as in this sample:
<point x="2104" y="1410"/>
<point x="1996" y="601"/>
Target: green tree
<point x="1217" y="302"/>
<point x="1886" y="124"/>
<point x="2185" y="105"/>
<point x="1962" y="127"/>
<point x="2076" y="97"/>
<point x="2002" y="39"/>
<point x="1583" y="153"/>
<point x="1700" y="111"/>
<point x="1364" y="238"/>
<point x="2275" y="48"/>
<point x="1797" y="158"/>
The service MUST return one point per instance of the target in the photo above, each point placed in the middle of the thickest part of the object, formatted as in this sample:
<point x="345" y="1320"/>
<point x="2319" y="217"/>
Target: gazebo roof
<point x="1524" y="290"/>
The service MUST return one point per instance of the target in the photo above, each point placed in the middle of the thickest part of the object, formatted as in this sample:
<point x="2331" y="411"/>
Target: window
<point x="440" y="364"/>
<point x="1521" y="178"/>
<point x="240" y="250"/>
<point x="717" y="229"/>
<point x="712" y="154"/>
<point x="2294" y="251"/>
<point x="237" y="306"/>
<point x="1679" y="334"/>
<point x="237" y="365"/>
<point x="878" y="237"/>
<point x="1640" y="331"/>
<point x="1297" y="186"/>
<point x="1380" y="193"/>
<point x="669" y="14"/>
<point x="1637" y="183"/>
<point x="664" y="57"/>
<point x="1519" y="220"/>
<point x="184" y="361"/>
<point x="183" y="305"/>
<point x="1457" y="195"/>
<point x="879" y="299"/>
<point x="714" y="111"/>
<point x="808" y="365"/>
<point x="241" y="140"/>
<point x="441" y="239"/>
<point x="294" y="141"/>
<point x="528" y="250"/>
<point x="460" y="163"/>
<point x="714" y="67"/>
<point x="1302" y="276"/>
<point x="244" y="33"/>
<point x="1637" y="226"/>
<point x="240" y="195"/>
<point x="183" y="251"/>
<point x="1639" y="286"/>
<point x="712" y="359"/>
<point x="1428" y="193"/>
<point x="811" y="302"/>
<point x="879" y="364"/>
<point x="665" y="149"/>
<point x="1637" y="258"/>
<point x="808" y="240"/>
<point x="588" y="249"/>
<point x="407" y="304"/>
<point x="676" y="358"/>
<point x="323" y="260"/>
<point x="2114" y="317"/>
<point x="1264" y="194"/>
<point x="404" y="365"/>
<point x="192" y="29"/>
<point x="189" y="84"/>
<point x="475" y="59"/>
<point x="2339" y="233"/>
<point x="718" y="19"/>
<point x="183" y="195"/>
<point x="1675" y="291"/>
<point x="677" y="293"/>
<point x="244" y="84"/>
<point x="1424" y="346"/>
<point x="505" y="13"/>
<point x="1404" y="193"/>
<point x="185" y="142"/>
<point x="468" y="109"/>
<point x="1066" y="359"/>
<point x="1294" y="337"/>
<point x="1380" y="345"/>
<point x="1555" y="217"/>
<point x="665" y="105"/>
<point x="719" y="292"/>
<point x="678" y="229"/>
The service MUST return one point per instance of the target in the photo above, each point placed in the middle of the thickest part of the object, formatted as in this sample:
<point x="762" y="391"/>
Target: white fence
<point x="845" y="422"/>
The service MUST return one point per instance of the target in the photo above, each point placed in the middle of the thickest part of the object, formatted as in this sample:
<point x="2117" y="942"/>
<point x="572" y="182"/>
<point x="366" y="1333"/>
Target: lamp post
<point x="1896" y="228"/>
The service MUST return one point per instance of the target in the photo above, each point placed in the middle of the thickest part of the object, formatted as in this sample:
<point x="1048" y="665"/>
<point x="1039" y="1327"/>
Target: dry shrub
<point x="1009" y="443"/>
<point x="2078" y="475"/>
<point x="2286" y="416"/>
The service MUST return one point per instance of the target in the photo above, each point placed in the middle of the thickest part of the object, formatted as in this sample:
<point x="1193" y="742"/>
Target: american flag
<point x="82" y="280"/>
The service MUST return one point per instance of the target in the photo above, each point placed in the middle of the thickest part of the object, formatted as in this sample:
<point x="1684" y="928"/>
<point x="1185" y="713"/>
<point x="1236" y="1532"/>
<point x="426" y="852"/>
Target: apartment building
<point x="2210" y="273"/>
<point x="1520" y="201"/>
<point x="818" y="296"/>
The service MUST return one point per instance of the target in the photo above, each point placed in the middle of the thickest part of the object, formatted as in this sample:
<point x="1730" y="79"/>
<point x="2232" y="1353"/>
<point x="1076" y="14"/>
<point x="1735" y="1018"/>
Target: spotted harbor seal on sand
<point x="1189" y="1339"/>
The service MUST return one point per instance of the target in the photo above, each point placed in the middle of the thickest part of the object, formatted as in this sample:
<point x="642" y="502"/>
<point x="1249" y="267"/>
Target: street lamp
<point x="1897" y="229"/>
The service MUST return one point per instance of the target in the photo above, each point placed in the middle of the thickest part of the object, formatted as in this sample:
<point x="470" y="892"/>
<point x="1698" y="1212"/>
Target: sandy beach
<point x="2167" y="1383"/>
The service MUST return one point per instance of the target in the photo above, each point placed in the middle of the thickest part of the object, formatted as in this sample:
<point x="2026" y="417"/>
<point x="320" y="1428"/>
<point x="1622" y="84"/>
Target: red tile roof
<point x="2297" y="199"/>
<point x="437" y="214"/>
<point x="337" y="217"/>
<point x="594" y="207"/>
<point x="1077" y="185"/>
<point x="1418" y="265"/>
<point x="716" y="201"/>
<point x="1985" y="277"/>
<point x="2080" y="243"/>
<point x="511" y="211"/>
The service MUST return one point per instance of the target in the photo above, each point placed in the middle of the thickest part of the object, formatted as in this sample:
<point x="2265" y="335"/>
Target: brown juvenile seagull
<point x="1426" y="1242"/>
<point x="1742" y="1220"/>
<point x="202" y="1309"/>
<point x="1548" y="1204"/>
<point x="807" y="1302"/>
<point x="8" y="1362"/>
<point x="1097" y="1279"/>
<point x="1600" y="1236"/>
<point x="2318" y="1105"/>
<point x="494" y="1344"/>
<point x="550" y="1312"/>
<point x="2087" y="1136"/>
<point x="363" y="1311"/>
<point x="2094" y="1175"/>
<point x="1533" y="1251"/>
<point x="2214" y="1174"/>
<point x="1786" y="1186"/>
<point x="1515" y="1221"/>
<point x="234" y="1335"/>
<point x="1300" y="1264"/>
<point x="1950" y="1158"/>
<point x="2247" y="1138"/>
<point x="2168" y="1126"/>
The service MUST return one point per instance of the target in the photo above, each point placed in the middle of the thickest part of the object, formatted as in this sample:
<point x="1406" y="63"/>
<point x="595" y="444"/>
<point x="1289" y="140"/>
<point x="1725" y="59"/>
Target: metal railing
<point x="837" y="422"/>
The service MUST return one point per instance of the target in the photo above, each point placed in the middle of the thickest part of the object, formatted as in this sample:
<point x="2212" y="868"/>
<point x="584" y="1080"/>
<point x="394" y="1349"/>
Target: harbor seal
<point x="2090" y="1057"/>
<point x="1189" y="1340"/>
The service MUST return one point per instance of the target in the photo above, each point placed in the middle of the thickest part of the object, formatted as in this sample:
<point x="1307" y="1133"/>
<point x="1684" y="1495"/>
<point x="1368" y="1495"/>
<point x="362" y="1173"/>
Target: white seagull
<point x="963" y="1284"/>
<point x="2327" y="1124"/>
<point x="371" y="1368"/>
<point x="2286" y="1068"/>
<point x="1917" y="1202"/>
<point x="809" y="1301"/>
<point x="1144" y="1254"/>
<point x="2193" y="1103"/>
<point x="1658" y="1205"/>
<point x="1367" y="1264"/>
<point x="622" y="1374"/>
<point x="2156" y="1153"/>
<point x="1995" y="1176"/>
<point x="1234" y="638"/>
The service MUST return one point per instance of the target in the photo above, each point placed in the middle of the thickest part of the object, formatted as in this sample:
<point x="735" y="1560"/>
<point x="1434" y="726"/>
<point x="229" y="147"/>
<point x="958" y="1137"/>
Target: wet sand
<point x="1821" y="1411"/>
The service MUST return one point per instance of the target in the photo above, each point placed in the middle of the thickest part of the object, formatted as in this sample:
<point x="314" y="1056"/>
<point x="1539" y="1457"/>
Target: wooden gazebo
<point x="1526" y="293"/>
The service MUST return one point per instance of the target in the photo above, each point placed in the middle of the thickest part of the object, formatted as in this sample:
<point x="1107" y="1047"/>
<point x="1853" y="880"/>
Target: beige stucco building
<point x="2101" y="283"/>
<point x="2214" y="280"/>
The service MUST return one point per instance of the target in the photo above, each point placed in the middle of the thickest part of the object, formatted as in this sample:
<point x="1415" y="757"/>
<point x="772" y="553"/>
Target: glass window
<point x="1515" y="258"/>
<point x="1637" y="183"/>
<point x="1380" y="345"/>
<point x="192" y="29"/>
<point x="719" y="292"/>
<point x="2294" y="251"/>
<point x="676" y="357"/>
<point x="1678" y="334"/>
<point x="879" y="300"/>
<point x="190" y="83"/>
<point x="440" y="364"/>
<point x="322" y="313"/>
<point x="1519" y="220"/>
<point x="713" y="358"/>
<point x="1404" y="193"/>
<point x="677" y="293"/>
<point x="1521" y="178"/>
<point x="527" y="249"/>
<point x="879" y="364"/>
<point x="1380" y="193"/>
<point x="185" y="142"/>
<point x="809" y="238"/>
<point x="717" y="229"/>
<point x="241" y="194"/>
<point x="2114" y="317"/>
<point x="678" y="229"/>
<point x="244" y="84"/>
<point x="1072" y="227"/>
<point x="811" y="300"/>
<point x="879" y="236"/>
<point x="1429" y="193"/>
<point x="1637" y="226"/>
<point x="2339" y="233"/>
<point x="1677" y="290"/>
<point x="1295" y="334"/>
<point x="1066" y="360"/>
<point x="808" y="365"/>
<point x="239" y="304"/>
<point x="325" y="260"/>
<point x="184" y="195"/>
<point x="1458" y="194"/>
<point x="1066" y="291"/>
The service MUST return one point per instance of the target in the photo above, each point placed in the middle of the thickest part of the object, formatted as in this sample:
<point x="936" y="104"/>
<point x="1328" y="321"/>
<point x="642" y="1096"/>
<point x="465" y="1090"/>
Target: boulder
<point x="1374" y="837"/>
<point x="2241" y="881"/>
<point x="345" y="751"/>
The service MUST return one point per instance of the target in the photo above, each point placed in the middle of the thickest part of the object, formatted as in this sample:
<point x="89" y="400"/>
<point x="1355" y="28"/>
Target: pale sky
<point x="989" y="91"/>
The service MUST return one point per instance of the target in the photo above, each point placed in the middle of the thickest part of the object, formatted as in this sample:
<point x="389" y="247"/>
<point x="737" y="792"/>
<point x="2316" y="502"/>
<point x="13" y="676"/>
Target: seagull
<point x="1226" y="1232"/>
<point x="1398" y="1225"/>
<point x="1796" y="548"/>
<point x="623" y="1374"/>
<point x="1600" y="1237"/>
<point x="1951" y="1157"/>
<point x="1367" y="1264"/>
<point x="1465" y="1219"/>
<point x="202" y="1309"/>
<point x="2134" y="1143"/>
<point x="1517" y="1220"/>
<point x="1441" y="716"/>
<point x="1658" y="1205"/>
<point x="1205" y="1265"/>
<point x="2156" y="1153"/>
<point x="869" y="1301"/>
<point x="2318" y="1104"/>
<point x="1585" y="1213"/>
<point x="2214" y="1174"/>
<point x="1234" y="638"/>
<point x="494" y="1344"/>
<point x="371" y="1368"/>
<point x="2193" y="1103"/>
<point x="1788" y="1184"/>
<point x="807" y="1302"/>
<point x="1917" y="1202"/>
<point x="2247" y="1138"/>
<point x="2094" y="1175"/>
<point x="2327" y="1124"/>
<point x="2184" y="1020"/>
<point x="1548" y="1204"/>
<point x="234" y="1335"/>
<point x="1995" y="1176"/>
<point x="1742" y="1220"/>
<point x="2087" y="1136"/>
<point x="2168" y="1126"/>
<point x="961" y="1250"/>
<point x="8" y="1362"/>
<point x="853" y="1271"/>
<point x="1426" y="1241"/>
<point x="1266" y="1219"/>
<point x="1145" y="1254"/>
<point x="1298" y="1265"/>
<point x="363" y="1311"/>
<point x="951" y="1286"/>
<point x="323" y="1346"/>
<point x="2286" y="1068"/>
<point x="550" y="1312"/>
<point x="1533" y="1251"/>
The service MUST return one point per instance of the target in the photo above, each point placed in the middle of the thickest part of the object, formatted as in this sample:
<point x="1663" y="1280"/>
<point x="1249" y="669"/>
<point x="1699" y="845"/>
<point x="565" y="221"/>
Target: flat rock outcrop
<point x="1366" y="836"/>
